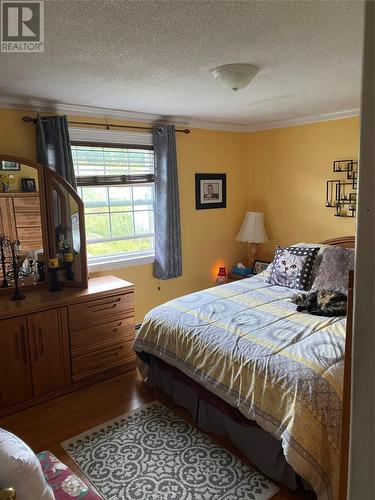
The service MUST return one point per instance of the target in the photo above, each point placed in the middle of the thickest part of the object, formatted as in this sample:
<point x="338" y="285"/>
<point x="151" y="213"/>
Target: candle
<point x="68" y="257"/>
<point x="53" y="263"/>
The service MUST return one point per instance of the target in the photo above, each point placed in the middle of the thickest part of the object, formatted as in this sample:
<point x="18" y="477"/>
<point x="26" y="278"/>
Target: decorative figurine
<point x="6" y="180"/>
<point x="15" y="248"/>
<point x="41" y="267"/>
<point x="63" y="238"/>
<point x="4" y="253"/>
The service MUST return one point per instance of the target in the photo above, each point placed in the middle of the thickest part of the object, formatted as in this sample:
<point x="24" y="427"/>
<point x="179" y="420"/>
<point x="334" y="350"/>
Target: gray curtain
<point x="53" y="146"/>
<point x="168" y="254"/>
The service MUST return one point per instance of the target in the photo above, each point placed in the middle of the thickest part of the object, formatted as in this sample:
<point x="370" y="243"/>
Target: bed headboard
<point x="342" y="241"/>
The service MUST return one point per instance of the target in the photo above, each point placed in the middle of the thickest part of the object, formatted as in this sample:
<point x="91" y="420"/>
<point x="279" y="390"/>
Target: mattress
<point x="246" y="343"/>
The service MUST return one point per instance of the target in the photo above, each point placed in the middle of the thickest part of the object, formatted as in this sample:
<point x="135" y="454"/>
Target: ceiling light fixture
<point x="235" y="76"/>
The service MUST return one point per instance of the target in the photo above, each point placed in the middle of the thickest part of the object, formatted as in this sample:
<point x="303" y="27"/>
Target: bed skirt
<point x="212" y="414"/>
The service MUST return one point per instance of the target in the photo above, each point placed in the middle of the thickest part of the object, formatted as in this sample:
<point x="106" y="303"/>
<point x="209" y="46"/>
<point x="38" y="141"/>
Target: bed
<point x="247" y="365"/>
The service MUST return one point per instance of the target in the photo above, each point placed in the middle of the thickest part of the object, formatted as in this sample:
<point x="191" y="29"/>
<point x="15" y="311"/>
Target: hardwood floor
<point x="45" y="426"/>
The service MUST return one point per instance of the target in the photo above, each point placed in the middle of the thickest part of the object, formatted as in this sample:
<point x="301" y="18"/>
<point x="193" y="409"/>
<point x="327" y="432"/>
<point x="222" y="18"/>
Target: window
<point x="116" y="184"/>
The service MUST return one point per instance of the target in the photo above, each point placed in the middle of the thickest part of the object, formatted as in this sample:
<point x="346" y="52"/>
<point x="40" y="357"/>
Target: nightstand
<point x="237" y="277"/>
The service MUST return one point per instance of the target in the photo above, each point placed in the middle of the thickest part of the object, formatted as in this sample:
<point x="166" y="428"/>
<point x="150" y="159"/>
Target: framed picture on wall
<point x="210" y="191"/>
<point x="10" y="165"/>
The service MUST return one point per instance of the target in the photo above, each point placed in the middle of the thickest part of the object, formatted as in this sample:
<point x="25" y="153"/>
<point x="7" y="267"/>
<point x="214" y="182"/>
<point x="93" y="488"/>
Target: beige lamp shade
<point x="252" y="229"/>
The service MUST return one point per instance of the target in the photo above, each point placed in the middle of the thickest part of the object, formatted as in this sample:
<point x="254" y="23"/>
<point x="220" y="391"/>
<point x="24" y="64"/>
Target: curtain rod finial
<point x="28" y="119"/>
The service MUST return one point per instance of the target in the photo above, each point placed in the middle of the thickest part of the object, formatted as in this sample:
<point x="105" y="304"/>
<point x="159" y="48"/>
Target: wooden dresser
<point x="54" y="343"/>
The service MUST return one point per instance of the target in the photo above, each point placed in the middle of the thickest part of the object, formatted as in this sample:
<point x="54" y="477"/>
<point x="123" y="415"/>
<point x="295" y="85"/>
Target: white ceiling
<point x="155" y="57"/>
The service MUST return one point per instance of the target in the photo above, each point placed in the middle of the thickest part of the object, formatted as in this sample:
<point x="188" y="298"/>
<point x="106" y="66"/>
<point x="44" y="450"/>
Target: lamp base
<point x="253" y="253"/>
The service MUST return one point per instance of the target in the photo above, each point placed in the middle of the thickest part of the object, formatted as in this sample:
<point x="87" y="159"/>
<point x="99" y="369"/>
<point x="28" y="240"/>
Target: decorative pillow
<point x="21" y="470"/>
<point x="292" y="267"/>
<point x="318" y="258"/>
<point x="333" y="272"/>
<point x="65" y="484"/>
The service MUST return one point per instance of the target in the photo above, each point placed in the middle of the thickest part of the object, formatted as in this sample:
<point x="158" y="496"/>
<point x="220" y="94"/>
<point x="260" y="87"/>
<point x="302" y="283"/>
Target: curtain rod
<point x="29" y="119"/>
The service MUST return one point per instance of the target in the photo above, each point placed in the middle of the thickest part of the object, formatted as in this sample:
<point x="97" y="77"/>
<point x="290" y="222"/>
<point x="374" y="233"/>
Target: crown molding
<point x="304" y="120"/>
<point x="41" y="106"/>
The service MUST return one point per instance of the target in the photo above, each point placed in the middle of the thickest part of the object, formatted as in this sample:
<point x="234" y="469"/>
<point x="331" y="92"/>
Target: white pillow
<point x="21" y="469"/>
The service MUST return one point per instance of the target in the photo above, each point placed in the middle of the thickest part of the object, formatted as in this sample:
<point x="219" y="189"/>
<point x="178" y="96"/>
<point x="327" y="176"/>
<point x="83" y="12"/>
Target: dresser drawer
<point x="85" y="314"/>
<point x="29" y="234"/>
<point x="26" y="204"/>
<point x="111" y="332"/>
<point x="31" y="245"/>
<point x="28" y="220"/>
<point x="104" y="359"/>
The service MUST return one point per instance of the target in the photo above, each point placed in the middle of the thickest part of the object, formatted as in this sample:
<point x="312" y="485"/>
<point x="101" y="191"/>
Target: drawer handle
<point x="103" y="308"/>
<point x="117" y="325"/>
<point x="110" y="353"/>
<point x="108" y="302"/>
<point x="23" y="345"/>
<point x="35" y="345"/>
<point x="40" y="341"/>
<point x="16" y="341"/>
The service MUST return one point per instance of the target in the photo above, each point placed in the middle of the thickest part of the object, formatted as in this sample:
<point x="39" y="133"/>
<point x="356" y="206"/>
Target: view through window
<point x="117" y="188"/>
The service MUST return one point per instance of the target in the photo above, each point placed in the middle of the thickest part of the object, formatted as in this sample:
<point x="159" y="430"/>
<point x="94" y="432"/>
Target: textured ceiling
<point x="155" y="57"/>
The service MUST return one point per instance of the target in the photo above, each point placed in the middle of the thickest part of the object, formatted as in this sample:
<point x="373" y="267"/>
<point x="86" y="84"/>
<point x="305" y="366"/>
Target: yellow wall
<point x="16" y="137"/>
<point x="26" y="172"/>
<point x="288" y="169"/>
<point x="280" y="172"/>
<point x="207" y="235"/>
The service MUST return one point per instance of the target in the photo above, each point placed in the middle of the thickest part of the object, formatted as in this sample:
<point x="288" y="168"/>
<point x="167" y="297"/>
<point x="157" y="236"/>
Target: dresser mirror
<point x="44" y="213"/>
<point x="22" y="218"/>
<point x="67" y="235"/>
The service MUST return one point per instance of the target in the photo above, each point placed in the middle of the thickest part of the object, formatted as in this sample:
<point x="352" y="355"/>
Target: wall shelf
<point x="341" y="194"/>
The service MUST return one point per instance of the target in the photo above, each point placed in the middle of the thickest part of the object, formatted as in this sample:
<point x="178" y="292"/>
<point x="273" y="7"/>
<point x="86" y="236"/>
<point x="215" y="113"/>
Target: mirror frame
<point x="43" y="212"/>
<point x="48" y="229"/>
<point x="50" y="178"/>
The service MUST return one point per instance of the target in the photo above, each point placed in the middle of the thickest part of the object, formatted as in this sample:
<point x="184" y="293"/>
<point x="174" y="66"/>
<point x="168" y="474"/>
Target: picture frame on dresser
<point x="28" y="185"/>
<point x="260" y="266"/>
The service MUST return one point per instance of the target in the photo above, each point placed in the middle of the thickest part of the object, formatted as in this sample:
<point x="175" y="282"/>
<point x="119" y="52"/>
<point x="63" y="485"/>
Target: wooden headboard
<point x="342" y="241"/>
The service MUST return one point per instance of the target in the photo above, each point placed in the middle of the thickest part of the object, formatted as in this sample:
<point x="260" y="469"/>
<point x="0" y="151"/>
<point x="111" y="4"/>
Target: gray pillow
<point x="333" y="272"/>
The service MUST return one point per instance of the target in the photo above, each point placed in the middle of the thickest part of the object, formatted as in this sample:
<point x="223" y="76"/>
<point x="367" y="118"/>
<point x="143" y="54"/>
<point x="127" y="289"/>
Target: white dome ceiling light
<point x="235" y="76"/>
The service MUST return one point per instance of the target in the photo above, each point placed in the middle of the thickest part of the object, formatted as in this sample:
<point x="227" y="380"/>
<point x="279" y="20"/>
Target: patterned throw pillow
<point x="333" y="272"/>
<point x="292" y="267"/>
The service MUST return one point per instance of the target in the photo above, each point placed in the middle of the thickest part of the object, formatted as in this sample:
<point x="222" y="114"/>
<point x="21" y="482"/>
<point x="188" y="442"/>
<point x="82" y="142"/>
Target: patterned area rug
<point x="152" y="454"/>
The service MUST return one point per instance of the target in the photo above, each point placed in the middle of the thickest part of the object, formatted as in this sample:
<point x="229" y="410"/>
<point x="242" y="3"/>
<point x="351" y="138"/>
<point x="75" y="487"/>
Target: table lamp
<point x="252" y="231"/>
